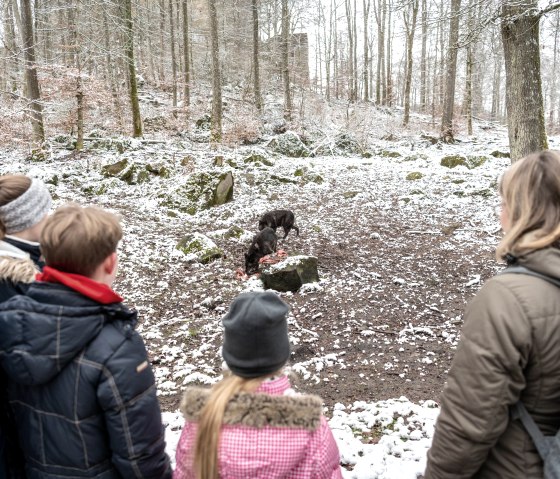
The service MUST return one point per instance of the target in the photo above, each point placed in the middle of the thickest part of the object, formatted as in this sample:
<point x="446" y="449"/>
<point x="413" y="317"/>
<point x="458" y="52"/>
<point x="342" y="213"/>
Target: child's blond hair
<point x="77" y="240"/>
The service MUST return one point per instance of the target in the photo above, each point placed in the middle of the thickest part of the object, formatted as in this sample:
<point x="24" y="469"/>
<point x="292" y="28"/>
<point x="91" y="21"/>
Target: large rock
<point x="289" y="144"/>
<point x="290" y="274"/>
<point x="198" y="247"/>
<point x="201" y="191"/>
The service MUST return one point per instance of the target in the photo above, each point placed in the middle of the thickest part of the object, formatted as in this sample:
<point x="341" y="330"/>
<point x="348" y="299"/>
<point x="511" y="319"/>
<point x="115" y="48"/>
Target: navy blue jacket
<point x="19" y="261"/>
<point x="81" y="387"/>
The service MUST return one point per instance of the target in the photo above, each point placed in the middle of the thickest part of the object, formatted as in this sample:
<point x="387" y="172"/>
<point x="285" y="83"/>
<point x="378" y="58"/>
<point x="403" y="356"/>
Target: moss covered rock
<point x="452" y="161"/>
<point x="289" y="144"/>
<point x="201" y="191"/>
<point x="290" y="274"/>
<point x="389" y="154"/>
<point x="475" y="161"/>
<point x="500" y="154"/>
<point x="198" y="247"/>
<point x="414" y="175"/>
<point x="258" y="160"/>
<point x="114" y="169"/>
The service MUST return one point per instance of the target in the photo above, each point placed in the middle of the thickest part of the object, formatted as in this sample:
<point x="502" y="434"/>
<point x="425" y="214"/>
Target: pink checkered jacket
<point x="271" y="433"/>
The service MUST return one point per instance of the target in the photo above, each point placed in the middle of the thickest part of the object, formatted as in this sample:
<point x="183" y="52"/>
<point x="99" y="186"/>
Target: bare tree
<point x="285" y="60"/>
<point x="366" y="6"/>
<point x="31" y="78"/>
<point x="216" y="133"/>
<point x="129" y="55"/>
<point x="256" y="67"/>
<point x="524" y="101"/>
<point x="410" y="14"/>
<point x="186" y="59"/>
<point x="173" y="58"/>
<point x="451" y="71"/>
<point x="423" y="66"/>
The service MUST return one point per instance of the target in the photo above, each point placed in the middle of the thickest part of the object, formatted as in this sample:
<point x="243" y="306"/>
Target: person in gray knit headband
<point x="24" y="206"/>
<point x="26" y="210"/>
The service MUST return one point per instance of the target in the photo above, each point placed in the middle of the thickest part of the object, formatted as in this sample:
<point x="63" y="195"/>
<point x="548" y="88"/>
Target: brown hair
<point x="205" y="461"/>
<point x="77" y="240"/>
<point x="11" y="188"/>
<point x="530" y="191"/>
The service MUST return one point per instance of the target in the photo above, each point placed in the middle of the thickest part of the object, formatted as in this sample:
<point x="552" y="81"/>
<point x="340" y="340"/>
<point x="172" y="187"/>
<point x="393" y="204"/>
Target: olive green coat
<point x="509" y="349"/>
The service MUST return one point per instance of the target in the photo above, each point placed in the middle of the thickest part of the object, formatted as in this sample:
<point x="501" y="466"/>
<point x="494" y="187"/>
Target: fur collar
<point x="259" y="410"/>
<point x="17" y="270"/>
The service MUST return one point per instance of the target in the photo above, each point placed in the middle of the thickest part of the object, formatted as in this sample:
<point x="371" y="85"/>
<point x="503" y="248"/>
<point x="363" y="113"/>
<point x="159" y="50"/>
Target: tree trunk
<point x="449" y="98"/>
<point x="524" y="101"/>
<point x="410" y="15"/>
<point x="389" y="97"/>
<point x="380" y="86"/>
<point x="73" y="15"/>
<point x="173" y="58"/>
<point x="366" y="53"/>
<point x="285" y="61"/>
<point x="554" y="66"/>
<point x="216" y="127"/>
<point x="186" y="62"/>
<point x="32" y="81"/>
<point x="423" y="102"/>
<point x="162" y="41"/>
<point x="256" y="67"/>
<point x="350" y="50"/>
<point x="129" y="56"/>
<point x="469" y="70"/>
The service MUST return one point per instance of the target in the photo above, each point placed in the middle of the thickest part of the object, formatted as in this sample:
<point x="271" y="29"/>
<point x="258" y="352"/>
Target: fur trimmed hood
<point x="16" y="265"/>
<point x="259" y="410"/>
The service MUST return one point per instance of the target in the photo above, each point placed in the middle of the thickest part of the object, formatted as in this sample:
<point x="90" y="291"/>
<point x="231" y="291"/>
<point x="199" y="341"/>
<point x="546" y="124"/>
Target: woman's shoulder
<point x="259" y="410"/>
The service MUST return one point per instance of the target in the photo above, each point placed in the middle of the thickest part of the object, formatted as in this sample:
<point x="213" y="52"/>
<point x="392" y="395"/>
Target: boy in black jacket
<point x="80" y="382"/>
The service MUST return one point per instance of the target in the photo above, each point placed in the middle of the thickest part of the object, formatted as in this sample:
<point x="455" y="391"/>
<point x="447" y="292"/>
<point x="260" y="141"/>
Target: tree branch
<point x="549" y="8"/>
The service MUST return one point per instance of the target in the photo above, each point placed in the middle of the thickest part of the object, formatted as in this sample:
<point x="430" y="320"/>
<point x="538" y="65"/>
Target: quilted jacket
<point x="509" y="350"/>
<point x="81" y="387"/>
<point x="272" y="433"/>
<point x="19" y="262"/>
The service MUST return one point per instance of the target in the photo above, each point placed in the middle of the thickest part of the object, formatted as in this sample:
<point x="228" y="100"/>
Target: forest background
<point x="164" y="67"/>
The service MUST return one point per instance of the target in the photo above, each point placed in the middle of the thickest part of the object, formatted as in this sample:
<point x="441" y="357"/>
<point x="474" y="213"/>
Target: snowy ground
<point x="399" y="259"/>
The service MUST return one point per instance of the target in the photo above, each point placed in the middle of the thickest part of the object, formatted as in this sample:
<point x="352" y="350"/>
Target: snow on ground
<point x="181" y="302"/>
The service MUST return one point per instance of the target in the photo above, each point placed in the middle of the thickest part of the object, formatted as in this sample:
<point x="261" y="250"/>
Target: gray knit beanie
<point x="256" y="339"/>
<point x="27" y="209"/>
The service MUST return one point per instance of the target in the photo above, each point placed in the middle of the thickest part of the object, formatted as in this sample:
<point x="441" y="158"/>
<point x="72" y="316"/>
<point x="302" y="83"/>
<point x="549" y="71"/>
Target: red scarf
<point x="82" y="284"/>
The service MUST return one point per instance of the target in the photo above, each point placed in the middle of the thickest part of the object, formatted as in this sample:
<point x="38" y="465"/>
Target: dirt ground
<point x="388" y="314"/>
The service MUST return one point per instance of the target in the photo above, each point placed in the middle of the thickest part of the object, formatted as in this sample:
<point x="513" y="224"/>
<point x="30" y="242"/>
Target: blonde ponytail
<point x="205" y="462"/>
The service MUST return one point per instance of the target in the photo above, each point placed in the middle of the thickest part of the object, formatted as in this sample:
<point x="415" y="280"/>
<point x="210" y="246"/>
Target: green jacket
<point x="509" y="350"/>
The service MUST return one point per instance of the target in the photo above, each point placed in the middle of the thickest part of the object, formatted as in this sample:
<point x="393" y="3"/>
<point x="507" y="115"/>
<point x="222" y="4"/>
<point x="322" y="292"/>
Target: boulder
<point x="258" y="160"/>
<point x="198" y="247"/>
<point x="500" y="154"/>
<point x="201" y="191"/>
<point x="289" y="144"/>
<point x="223" y="191"/>
<point x="389" y="154"/>
<point x="114" y="169"/>
<point x="414" y="175"/>
<point x="290" y="274"/>
<point x="451" y="161"/>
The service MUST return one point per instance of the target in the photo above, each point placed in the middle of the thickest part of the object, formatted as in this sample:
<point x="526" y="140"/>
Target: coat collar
<point x="99" y="292"/>
<point x="259" y="410"/>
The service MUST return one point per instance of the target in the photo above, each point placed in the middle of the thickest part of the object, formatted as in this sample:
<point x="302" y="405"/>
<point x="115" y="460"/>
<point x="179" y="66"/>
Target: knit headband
<point x="27" y="209"/>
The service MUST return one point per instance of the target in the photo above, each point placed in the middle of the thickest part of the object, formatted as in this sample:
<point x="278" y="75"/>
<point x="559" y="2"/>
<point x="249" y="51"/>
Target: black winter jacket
<point x="19" y="262"/>
<point x="81" y="387"/>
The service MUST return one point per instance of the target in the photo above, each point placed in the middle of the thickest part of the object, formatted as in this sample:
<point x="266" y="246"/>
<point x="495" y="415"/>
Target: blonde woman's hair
<point x="530" y="191"/>
<point x="77" y="240"/>
<point x="11" y="188"/>
<point x="205" y="461"/>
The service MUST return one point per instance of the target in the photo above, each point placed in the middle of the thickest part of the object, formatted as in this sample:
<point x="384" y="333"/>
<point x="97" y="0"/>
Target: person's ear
<point x="110" y="263"/>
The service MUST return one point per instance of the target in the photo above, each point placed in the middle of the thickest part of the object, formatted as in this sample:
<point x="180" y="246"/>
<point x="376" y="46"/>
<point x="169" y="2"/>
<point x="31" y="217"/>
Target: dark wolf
<point x="264" y="242"/>
<point x="279" y="218"/>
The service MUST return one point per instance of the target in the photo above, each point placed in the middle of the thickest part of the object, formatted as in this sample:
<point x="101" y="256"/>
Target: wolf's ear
<point x="246" y="255"/>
